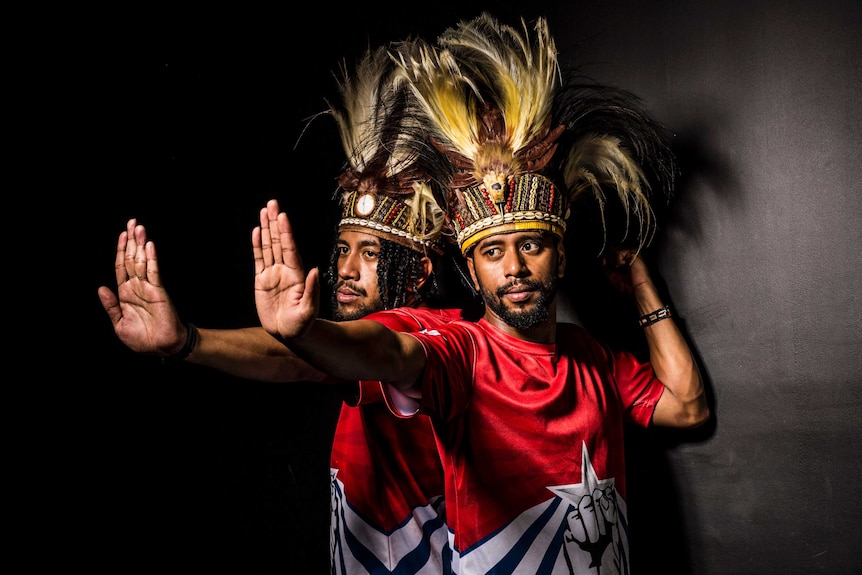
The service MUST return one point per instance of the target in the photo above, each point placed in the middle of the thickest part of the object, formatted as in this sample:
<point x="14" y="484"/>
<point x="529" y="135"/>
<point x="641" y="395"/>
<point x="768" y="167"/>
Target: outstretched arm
<point x="146" y="320"/>
<point x="287" y="304"/>
<point x="252" y="353"/>
<point x="683" y="403"/>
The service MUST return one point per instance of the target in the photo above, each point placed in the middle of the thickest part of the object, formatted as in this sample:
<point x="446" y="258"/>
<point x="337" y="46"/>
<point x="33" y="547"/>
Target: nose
<point x="347" y="267"/>
<point x="514" y="264"/>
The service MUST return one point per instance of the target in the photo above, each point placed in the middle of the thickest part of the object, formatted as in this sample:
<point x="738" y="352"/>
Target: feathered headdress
<point x="616" y="149"/>
<point x="487" y="91"/>
<point x="388" y="186"/>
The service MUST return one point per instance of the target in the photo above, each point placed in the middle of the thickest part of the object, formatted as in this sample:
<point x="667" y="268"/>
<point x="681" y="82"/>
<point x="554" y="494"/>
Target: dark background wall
<point x="190" y="122"/>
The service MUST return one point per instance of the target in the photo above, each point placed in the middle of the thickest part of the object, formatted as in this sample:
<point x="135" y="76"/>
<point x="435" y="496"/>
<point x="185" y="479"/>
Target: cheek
<point x="369" y="267"/>
<point x="471" y="267"/>
<point x="486" y="276"/>
<point x="475" y="280"/>
<point x="371" y="290"/>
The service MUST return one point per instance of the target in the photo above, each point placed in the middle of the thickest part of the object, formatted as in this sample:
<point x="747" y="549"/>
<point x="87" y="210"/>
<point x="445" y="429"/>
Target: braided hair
<point x="398" y="271"/>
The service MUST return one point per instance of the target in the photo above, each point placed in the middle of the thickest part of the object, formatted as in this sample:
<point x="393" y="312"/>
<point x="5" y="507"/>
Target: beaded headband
<point x="531" y="202"/>
<point x="386" y="217"/>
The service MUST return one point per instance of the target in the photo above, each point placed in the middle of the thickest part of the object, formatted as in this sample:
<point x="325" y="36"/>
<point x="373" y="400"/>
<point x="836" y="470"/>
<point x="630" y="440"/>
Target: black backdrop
<point x="191" y="121"/>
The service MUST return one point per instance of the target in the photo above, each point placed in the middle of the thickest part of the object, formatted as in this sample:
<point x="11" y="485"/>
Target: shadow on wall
<point x="659" y="534"/>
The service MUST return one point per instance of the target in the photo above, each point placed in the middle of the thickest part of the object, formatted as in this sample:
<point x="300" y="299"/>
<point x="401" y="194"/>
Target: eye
<point x="369" y="254"/>
<point x="533" y="246"/>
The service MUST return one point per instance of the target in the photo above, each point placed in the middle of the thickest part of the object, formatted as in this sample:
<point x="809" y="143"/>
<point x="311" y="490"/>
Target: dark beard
<point x="353" y="312"/>
<point x="520" y="318"/>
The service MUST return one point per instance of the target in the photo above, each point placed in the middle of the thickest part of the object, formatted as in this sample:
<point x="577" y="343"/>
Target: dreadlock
<point x="398" y="271"/>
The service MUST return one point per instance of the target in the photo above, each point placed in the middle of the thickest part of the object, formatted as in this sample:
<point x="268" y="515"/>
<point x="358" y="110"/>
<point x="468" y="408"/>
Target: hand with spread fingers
<point x="287" y="299"/>
<point x="142" y="313"/>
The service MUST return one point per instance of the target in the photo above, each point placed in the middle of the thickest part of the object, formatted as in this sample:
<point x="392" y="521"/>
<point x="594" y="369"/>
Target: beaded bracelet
<point x="652" y="317"/>
<point x="191" y="341"/>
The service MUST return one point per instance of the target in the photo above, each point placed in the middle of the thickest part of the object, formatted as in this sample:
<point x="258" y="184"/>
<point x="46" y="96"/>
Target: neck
<point x="413" y="301"/>
<point x="546" y="332"/>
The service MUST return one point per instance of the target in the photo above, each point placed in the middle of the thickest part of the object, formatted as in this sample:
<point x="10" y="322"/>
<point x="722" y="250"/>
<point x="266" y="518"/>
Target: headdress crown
<point x="387" y="187"/>
<point x="487" y="91"/>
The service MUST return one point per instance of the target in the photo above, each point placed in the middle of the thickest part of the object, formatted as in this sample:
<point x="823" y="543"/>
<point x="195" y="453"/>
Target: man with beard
<point x="388" y="511"/>
<point x="528" y="411"/>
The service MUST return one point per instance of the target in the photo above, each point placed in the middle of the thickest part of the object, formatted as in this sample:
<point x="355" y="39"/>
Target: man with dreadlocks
<point x="388" y="511"/>
<point x="528" y="411"/>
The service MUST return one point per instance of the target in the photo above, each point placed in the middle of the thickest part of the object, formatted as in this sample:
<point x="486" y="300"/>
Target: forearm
<point x="683" y="403"/>
<point x="361" y="350"/>
<point x="250" y="353"/>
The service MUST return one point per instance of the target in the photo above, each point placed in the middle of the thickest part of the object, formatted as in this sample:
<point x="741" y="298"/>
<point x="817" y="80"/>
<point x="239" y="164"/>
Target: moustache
<point x="529" y="284"/>
<point x="349" y="286"/>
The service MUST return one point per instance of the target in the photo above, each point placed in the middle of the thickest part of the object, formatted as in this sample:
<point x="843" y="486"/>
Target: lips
<point x="346" y="295"/>
<point x="517" y="293"/>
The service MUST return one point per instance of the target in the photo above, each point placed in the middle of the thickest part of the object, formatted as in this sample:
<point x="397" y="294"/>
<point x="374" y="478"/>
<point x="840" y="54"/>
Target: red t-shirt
<point x="532" y="442"/>
<point x="387" y="478"/>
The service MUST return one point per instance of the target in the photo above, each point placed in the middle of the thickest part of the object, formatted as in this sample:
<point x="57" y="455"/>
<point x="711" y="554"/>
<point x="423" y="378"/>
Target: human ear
<point x="561" y="258"/>
<point x="472" y="269"/>
<point x="427" y="269"/>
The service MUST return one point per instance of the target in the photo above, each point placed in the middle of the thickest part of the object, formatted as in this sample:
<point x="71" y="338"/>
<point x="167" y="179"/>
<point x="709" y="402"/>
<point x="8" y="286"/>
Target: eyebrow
<point x="496" y="240"/>
<point x="361" y="244"/>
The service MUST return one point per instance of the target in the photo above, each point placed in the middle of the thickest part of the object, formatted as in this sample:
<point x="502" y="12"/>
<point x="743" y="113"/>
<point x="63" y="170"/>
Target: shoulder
<point x="430" y="316"/>
<point x="567" y="329"/>
<point x="574" y="335"/>
<point x="577" y="342"/>
<point x="415" y="319"/>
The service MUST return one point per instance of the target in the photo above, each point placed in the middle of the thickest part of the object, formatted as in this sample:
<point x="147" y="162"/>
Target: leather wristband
<point x="191" y="341"/>
<point x="652" y="317"/>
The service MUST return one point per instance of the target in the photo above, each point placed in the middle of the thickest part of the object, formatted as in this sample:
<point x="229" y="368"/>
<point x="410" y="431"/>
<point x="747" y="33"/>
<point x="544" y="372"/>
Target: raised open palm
<point x="286" y="298"/>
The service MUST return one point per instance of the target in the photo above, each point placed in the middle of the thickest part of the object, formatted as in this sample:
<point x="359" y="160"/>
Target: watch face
<point x="365" y="204"/>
